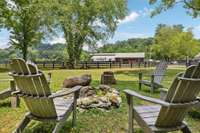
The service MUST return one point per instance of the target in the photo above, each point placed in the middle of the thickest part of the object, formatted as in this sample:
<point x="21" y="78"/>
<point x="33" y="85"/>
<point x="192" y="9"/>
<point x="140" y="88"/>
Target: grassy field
<point x="91" y="121"/>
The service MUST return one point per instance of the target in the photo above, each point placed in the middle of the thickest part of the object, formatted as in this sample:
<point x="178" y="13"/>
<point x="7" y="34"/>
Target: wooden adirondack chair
<point x="156" y="77"/>
<point x="168" y="115"/>
<point x="42" y="104"/>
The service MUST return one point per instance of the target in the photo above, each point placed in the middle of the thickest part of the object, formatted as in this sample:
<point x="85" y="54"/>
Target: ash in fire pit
<point x="101" y="97"/>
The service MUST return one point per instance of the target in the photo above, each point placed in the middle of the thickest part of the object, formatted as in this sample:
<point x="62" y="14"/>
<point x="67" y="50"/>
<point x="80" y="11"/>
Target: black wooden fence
<point x="97" y="65"/>
<point x="86" y="65"/>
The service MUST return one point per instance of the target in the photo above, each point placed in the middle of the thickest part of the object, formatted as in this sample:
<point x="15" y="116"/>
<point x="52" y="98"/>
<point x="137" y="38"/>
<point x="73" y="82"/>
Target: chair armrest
<point x="149" y="99"/>
<point x="160" y="102"/>
<point x="159" y="74"/>
<point x="64" y="93"/>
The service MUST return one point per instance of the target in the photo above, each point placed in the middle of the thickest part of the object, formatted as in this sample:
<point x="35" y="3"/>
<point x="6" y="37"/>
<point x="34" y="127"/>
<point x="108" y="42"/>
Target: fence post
<point x="86" y="65"/>
<point x="97" y="64"/>
<point x="63" y="64"/>
<point x="53" y="65"/>
<point x="44" y="65"/>
<point x="6" y="65"/>
<point x="49" y="77"/>
<point x="14" y="99"/>
<point x="110" y="64"/>
<point x="139" y="64"/>
<point x="120" y="64"/>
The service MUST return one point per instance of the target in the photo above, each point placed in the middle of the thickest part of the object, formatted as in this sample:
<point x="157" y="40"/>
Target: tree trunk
<point x="71" y="52"/>
<point x="24" y="52"/>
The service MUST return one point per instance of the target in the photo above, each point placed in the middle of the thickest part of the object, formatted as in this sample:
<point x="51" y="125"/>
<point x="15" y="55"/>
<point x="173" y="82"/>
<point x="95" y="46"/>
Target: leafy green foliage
<point x="25" y="20"/>
<point x="171" y="42"/>
<point x="192" y="6"/>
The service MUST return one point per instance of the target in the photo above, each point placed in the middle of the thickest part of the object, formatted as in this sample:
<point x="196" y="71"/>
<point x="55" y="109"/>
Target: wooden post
<point x="14" y="99"/>
<point x="131" y="64"/>
<point x="145" y="64"/>
<point x="53" y="65"/>
<point x="130" y="114"/>
<point x="86" y="65"/>
<point x="6" y="65"/>
<point x="76" y="96"/>
<point x="140" y="79"/>
<point x="63" y="64"/>
<point x="97" y="64"/>
<point x="120" y="64"/>
<point x="110" y="64"/>
<point x="49" y="77"/>
<point x="139" y="64"/>
<point x="44" y="65"/>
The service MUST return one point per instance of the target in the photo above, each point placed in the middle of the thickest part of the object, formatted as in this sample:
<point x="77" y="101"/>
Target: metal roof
<point x="121" y="55"/>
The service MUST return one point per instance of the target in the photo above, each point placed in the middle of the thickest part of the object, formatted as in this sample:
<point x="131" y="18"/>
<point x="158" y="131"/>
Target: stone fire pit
<point x="103" y="97"/>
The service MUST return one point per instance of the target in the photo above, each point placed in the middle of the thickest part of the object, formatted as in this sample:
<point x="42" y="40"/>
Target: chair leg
<point x="22" y="125"/>
<point x="57" y="127"/>
<point x="130" y="114"/>
<point x="186" y="130"/>
<point x="74" y="115"/>
<point x="152" y="84"/>
<point x="152" y="88"/>
<point x="140" y="79"/>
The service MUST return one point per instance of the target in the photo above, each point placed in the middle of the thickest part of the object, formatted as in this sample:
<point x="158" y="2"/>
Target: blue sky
<point x="138" y="23"/>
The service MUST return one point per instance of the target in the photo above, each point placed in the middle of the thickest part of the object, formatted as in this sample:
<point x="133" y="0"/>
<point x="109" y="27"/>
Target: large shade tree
<point x="25" y="20"/>
<point x="86" y="22"/>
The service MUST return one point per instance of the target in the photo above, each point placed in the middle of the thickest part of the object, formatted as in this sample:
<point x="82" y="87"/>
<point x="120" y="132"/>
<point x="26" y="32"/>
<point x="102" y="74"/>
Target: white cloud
<point x="57" y="40"/>
<point x="197" y="28"/>
<point x="130" y="18"/>
<point x="145" y="12"/>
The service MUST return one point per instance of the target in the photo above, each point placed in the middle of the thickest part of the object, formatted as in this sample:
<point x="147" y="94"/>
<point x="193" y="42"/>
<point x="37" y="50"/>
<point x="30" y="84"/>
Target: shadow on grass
<point x="4" y="70"/>
<point x="47" y="127"/>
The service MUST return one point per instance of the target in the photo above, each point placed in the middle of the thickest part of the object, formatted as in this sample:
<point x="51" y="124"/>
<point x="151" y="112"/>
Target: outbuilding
<point x="124" y="58"/>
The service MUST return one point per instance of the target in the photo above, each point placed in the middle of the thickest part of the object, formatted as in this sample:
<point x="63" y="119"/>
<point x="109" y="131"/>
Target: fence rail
<point x="93" y="65"/>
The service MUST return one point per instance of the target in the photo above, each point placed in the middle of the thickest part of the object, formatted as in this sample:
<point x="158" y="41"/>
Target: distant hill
<point x="130" y="45"/>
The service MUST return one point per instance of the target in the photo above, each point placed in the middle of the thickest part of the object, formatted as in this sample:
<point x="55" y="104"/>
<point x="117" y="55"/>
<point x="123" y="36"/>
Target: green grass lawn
<point x="91" y="121"/>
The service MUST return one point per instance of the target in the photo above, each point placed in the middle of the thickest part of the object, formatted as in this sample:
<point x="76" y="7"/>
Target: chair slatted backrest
<point x="33" y="84"/>
<point x="160" y="71"/>
<point x="182" y="90"/>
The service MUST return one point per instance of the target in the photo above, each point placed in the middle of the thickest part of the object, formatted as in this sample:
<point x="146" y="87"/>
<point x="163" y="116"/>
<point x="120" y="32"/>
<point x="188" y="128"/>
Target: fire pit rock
<point x="105" y="98"/>
<point x="83" y="80"/>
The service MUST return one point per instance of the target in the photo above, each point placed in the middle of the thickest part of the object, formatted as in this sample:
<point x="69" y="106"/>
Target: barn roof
<point x="122" y="55"/>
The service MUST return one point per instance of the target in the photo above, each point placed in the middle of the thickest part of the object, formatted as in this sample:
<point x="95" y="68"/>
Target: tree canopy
<point x="24" y="19"/>
<point x="172" y="42"/>
<point x="192" y="6"/>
